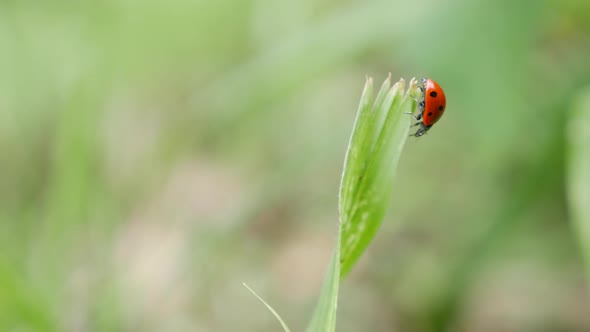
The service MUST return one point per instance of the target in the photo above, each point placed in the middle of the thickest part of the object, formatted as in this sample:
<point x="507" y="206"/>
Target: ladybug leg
<point x="422" y="91"/>
<point x="420" y="103"/>
<point x="417" y="117"/>
<point x="416" y="124"/>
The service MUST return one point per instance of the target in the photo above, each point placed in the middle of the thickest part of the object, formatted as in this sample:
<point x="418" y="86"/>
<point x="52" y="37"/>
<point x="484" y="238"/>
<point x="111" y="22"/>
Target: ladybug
<point x="432" y="106"/>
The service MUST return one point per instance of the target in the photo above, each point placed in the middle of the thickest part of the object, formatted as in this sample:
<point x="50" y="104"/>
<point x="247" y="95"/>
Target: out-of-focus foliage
<point x="154" y="155"/>
<point x="578" y="170"/>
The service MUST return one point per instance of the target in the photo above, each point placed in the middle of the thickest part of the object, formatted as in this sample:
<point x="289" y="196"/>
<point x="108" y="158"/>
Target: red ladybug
<point x="432" y="106"/>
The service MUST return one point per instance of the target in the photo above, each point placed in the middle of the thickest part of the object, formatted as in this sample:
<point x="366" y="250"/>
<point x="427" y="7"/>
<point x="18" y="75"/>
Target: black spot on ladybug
<point x="440" y="108"/>
<point x="433" y="94"/>
<point x="429" y="113"/>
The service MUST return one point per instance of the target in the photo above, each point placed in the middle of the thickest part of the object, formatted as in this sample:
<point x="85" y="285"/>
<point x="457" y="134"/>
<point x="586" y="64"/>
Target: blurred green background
<point x="154" y="155"/>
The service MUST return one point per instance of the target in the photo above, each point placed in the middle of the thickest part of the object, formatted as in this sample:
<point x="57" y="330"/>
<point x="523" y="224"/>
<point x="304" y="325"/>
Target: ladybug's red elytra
<point x="432" y="106"/>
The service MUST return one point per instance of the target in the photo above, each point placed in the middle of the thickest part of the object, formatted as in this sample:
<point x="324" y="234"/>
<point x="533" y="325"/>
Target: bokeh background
<point x="154" y="155"/>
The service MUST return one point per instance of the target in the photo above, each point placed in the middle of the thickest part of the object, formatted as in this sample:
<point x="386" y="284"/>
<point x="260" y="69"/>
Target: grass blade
<point x="276" y="314"/>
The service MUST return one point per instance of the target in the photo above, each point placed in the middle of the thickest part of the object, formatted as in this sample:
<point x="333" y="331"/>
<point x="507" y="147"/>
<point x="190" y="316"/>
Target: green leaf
<point x="378" y="137"/>
<point x="367" y="187"/>
<point x="278" y="317"/>
<point x="578" y="172"/>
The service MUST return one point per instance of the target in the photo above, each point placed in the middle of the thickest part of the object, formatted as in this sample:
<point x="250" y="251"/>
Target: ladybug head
<point x="422" y="130"/>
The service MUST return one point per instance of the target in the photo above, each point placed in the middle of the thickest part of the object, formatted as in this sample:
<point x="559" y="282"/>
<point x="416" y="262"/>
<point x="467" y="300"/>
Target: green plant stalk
<point x="324" y="317"/>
